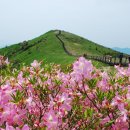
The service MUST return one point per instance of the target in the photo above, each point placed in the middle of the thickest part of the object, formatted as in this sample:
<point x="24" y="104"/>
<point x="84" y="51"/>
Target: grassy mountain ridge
<point x="50" y="48"/>
<point x="78" y="45"/>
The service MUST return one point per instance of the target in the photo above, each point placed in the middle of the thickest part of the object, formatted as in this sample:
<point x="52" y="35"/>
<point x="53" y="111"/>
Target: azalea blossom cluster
<point x="3" y="61"/>
<point x="85" y="98"/>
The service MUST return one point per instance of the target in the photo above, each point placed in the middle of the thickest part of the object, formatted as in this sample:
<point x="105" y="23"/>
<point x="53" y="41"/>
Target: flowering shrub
<point x="36" y="98"/>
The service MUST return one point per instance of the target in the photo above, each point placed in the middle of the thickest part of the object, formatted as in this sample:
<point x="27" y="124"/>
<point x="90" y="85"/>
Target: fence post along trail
<point x="122" y="60"/>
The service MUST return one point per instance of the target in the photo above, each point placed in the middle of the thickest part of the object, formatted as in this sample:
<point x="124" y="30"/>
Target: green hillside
<point x="78" y="45"/>
<point x="54" y="46"/>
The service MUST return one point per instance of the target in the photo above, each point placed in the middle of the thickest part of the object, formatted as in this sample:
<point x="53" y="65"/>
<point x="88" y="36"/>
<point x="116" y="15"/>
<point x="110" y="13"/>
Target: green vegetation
<point x="49" y="48"/>
<point x="79" y="46"/>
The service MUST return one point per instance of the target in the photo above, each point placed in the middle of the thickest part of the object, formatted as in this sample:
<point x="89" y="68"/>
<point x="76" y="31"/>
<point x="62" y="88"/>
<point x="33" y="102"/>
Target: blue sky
<point x="106" y="22"/>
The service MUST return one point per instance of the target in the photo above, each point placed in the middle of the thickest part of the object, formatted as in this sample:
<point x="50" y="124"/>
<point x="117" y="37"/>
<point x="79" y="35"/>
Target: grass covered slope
<point x="78" y="45"/>
<point x="48" y="47"/>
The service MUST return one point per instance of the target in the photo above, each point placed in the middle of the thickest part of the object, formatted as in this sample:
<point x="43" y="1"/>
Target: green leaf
<point x="109" y="123"/>
<point x="88" y="112"/>
<point x="17" y="97"/>
<point x="100" y="95"/>
<point x="92" y="83"/>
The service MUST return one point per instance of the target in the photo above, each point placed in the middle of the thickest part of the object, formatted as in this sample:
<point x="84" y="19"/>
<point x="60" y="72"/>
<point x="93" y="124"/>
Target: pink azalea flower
<point x="128" y="71"/>
<point x="83" y="67"/>
<point x="7" y="61"/>
<point x="20" y="78"/>
<point x="8" y="127"/>
<point x="35" y="64"/>
<point x="25" y="127"/>
<point x="51" y="120"/>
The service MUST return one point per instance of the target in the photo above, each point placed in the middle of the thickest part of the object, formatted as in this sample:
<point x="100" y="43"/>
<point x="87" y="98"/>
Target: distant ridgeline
<point x="123" y="50"/>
